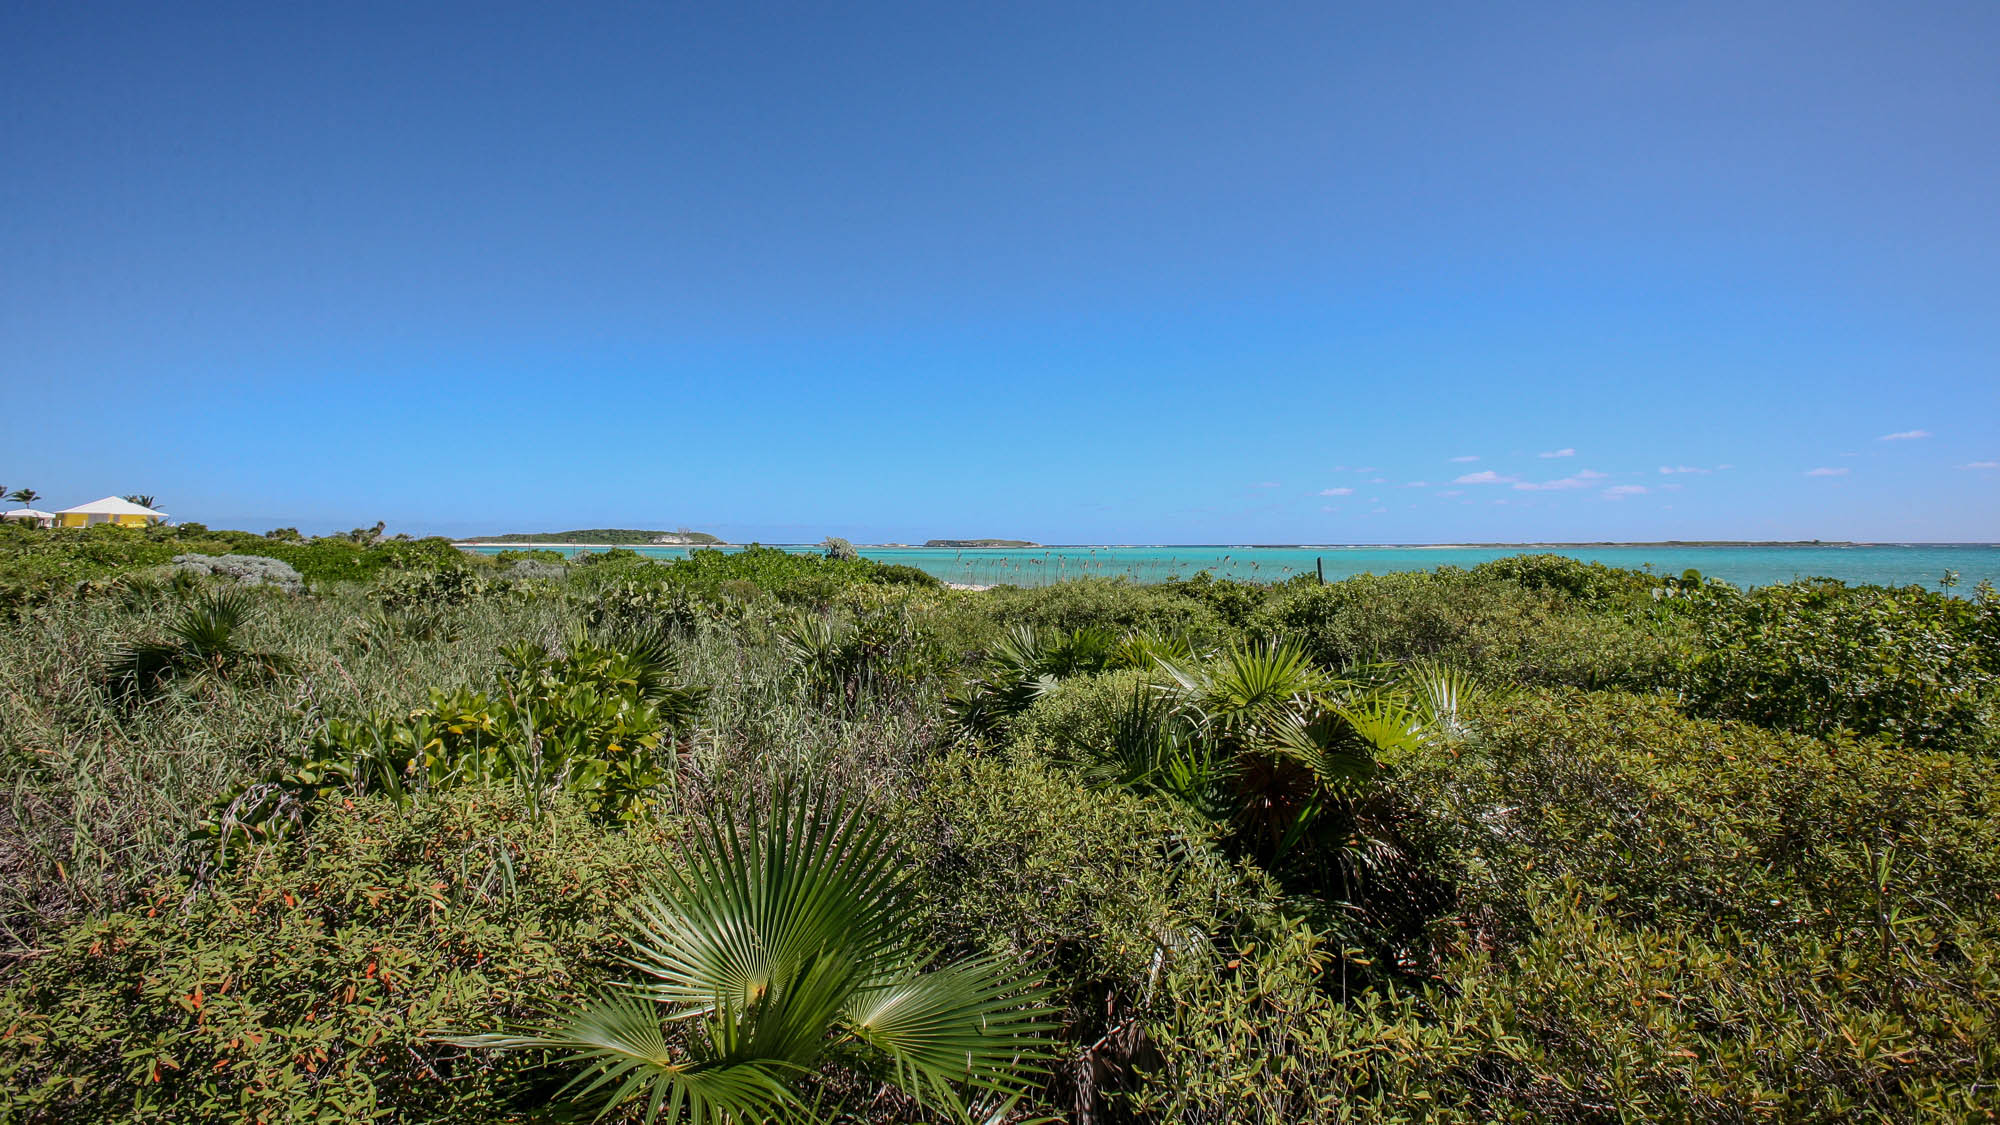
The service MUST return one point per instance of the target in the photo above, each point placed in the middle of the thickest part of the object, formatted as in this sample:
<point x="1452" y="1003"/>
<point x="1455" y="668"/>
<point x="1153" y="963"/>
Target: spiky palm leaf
<point x="1145" y="651"/>
<point x="783" y="938"/>
<point x="1442" y="695"/>
<point x="1249" y="688"/>
<point x="201" y="642"/>
<point x="1327" y="744"/>
<point x="1154" y="747"/>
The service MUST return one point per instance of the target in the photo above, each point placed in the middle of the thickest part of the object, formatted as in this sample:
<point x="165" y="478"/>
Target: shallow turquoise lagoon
<point x="1892" y="565"/>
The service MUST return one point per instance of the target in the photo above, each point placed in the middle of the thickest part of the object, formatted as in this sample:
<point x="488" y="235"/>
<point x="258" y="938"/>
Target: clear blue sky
<point x="1152" y="273"/>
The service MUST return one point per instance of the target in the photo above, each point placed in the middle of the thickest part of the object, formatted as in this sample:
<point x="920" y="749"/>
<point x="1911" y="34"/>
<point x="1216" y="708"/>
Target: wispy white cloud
<point x="1558" y="453"/>
<point x="1823" y="471"/>
<point x="1683" y="469"/>
<point x="1580" y="480"/>
<point x="1981" y="465"/>
<point x="1336" y="492"/>
<point x="1376" y="480"/>
<point x="1484" y="476"/>
<point x="1620" y="491"/>
<point x="1369" y="469"/>
<point x="1418" y="484"/>
<point x="1452" y="492"/>
<point x="1265" y="484"/>
<point x="1502" y="500"/>
<point x="1467" y="459"/>
<point x="1905" y="435"/>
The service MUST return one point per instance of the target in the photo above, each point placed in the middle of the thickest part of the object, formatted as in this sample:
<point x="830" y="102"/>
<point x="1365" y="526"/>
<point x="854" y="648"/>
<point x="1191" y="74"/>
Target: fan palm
<point x="1248" y="690"/>
<point x="787" y="942"/>
<point x="1024" y="666"/>
<point x="1352" y="739"/>
<point x="1154" y="747"/>
<point x="202" y="642"/>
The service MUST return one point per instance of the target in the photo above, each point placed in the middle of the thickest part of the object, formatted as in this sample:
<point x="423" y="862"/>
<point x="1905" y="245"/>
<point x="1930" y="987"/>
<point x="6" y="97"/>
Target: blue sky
<point x="1146" y="273"/>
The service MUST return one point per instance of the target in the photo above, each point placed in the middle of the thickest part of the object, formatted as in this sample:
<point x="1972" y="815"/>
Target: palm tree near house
<point x="141" y="499"/>
<point x="788" y="944"/>
<point x="26" y="496"/>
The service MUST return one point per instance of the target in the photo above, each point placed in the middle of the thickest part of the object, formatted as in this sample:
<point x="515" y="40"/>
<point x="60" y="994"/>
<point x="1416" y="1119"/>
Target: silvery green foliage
<point x="245" y="570"/>
<point x="537" y="570"/>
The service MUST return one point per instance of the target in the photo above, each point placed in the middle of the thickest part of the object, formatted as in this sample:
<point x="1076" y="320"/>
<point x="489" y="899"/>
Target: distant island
<point x="979" y="543"/>
<point x="614" y="536"/>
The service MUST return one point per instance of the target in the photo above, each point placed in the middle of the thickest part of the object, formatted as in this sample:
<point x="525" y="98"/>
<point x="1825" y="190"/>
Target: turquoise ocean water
<point x="1891" y="565"/>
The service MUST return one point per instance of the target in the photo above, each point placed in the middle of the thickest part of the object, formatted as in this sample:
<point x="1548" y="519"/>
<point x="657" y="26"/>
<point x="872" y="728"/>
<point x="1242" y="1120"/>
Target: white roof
<point x="27" y="514"/>
<point x="111" y="506"/>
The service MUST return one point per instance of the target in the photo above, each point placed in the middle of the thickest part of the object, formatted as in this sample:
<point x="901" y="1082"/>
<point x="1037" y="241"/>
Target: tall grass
<point x="101" y="789"/>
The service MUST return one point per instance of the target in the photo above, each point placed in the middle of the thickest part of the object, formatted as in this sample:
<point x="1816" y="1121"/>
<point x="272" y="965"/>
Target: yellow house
<point x="112" y="510"/>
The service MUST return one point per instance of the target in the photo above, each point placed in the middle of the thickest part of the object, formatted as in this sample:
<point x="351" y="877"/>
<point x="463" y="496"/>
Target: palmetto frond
<point x="1249" y="687"/>
<point x="784" y="934"/>
<point x="201" y="641"/>
<point x="976" y="1025"/>
<point x="629" y="1053"/>
<point x="206" y="631"/>
<point x="1154" y="747"/>
<point x="1145" y="651"/>
<point x="1442" y="695"/>
<point x="1328" y="745"/>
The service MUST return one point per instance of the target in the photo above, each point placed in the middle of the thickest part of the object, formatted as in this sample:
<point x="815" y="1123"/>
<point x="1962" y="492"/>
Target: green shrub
<point x="1077" y="719"/>
<point x="1112" y="604"/>
<point x="529" y="554"/>
<point x="1689" y="916"/>
<point x="308" y="985"/>
<point x="36" y="564"/>
<point x="595" y="721"/>
<point x="428" y="589"/>
<point x="1589" y="583"/>
<point x="613" y="557"/>
<point x="795" y="578"/>
<point x="783" y="949"/>
<point x="1488" y="625"/>
<point x="881" y="648"/>
<point x="1819" y="656"/>
<point x="1696" y="822"/>
<point x="1100" y="888"/>
<point x="1234" y="603"/>
<point x="1263" y="1031"/>
<point x="637" y="605"/>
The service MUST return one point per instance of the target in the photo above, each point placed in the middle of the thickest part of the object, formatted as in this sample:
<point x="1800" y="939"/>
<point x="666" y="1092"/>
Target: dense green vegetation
<point x="624" y="536"/>
<point x="1534" y="841"/>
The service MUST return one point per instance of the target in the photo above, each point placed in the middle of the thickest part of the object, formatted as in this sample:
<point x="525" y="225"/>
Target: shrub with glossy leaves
<point x="595" y="721"/>
<point x="1819" y="656"/>
<point x="1488" y="624"/>
<point x="310" y="983"/>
